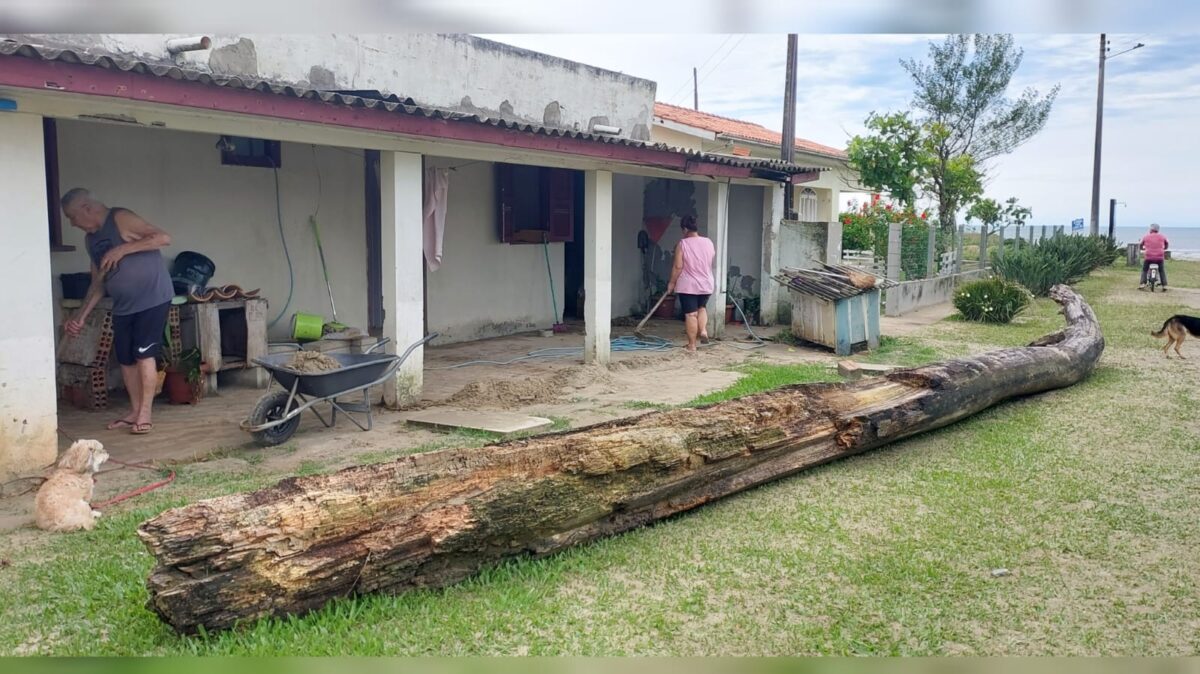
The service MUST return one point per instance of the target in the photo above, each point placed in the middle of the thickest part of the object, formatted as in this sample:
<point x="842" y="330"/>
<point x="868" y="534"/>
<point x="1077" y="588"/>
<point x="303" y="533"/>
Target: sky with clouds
<point x="1152" y="104"/>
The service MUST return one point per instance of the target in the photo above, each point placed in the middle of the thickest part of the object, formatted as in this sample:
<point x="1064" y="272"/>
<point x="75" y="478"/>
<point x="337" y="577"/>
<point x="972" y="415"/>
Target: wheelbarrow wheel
<point x="273" y="407"/>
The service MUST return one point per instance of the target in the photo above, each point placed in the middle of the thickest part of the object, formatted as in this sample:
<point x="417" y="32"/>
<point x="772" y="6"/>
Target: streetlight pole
<point x="1095" y="220"/>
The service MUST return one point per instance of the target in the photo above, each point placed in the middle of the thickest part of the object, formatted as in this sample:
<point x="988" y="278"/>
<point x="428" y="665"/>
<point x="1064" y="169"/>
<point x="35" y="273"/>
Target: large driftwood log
<point x="436" y="518"/>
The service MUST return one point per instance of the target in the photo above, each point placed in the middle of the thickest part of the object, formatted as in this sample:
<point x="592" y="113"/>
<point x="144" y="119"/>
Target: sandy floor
<point x="563" y="389"/>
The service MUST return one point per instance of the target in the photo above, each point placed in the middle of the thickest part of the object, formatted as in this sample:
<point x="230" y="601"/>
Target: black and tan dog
<point x="1175" y="329"/>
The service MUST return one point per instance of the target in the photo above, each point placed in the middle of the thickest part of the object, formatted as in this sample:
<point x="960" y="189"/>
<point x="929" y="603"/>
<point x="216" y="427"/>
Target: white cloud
<point x="1152" y="99"/>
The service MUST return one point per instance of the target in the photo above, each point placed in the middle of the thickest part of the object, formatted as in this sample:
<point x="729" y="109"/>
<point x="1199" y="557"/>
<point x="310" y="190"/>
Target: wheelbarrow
<point x="277" y="415"/>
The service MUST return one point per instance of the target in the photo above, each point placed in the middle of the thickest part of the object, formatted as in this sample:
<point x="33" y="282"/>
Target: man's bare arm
<point x="138" y="235"/>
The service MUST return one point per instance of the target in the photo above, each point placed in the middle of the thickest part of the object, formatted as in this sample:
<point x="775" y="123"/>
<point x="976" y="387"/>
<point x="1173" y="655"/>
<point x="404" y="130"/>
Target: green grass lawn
<point x="1089" y="497"/>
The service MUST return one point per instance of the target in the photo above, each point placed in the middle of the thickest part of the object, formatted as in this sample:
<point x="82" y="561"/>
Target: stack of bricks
<point x="175" y="348"/>
<point x="83" y="363"/>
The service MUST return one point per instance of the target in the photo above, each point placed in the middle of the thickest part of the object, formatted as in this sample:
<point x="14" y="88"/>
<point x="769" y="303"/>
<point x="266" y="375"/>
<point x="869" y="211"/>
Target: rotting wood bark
<point x="433" y="519"/>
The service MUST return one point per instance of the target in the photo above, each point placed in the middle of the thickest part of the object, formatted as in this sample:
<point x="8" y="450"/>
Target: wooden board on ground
<point x="854" y="370"/>
<point x="503" y="423"/>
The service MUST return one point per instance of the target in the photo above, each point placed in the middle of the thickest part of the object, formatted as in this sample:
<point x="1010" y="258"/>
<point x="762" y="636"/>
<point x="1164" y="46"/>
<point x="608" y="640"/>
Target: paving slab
<point x="494" y="422"/>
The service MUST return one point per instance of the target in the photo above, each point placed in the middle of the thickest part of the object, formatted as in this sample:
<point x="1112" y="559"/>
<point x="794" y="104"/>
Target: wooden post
<point x="1002" y="228"/>
<point x="256" y="338"/>
<point x="208" y="334"/>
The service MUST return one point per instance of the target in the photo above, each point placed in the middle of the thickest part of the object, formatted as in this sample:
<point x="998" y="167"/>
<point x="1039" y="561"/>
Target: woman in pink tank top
<point x="692" y="280"/>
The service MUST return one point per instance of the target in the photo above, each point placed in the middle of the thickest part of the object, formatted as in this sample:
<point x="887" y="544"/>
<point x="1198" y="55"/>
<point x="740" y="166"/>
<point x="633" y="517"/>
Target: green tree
<point x="892" y="158"/>
<point x="961" y="91"/>
<point x="986" y="211"/>
<point x="1015" y="214"/>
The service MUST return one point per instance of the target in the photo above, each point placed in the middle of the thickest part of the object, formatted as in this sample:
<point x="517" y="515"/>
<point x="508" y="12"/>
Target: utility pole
<point x="1112" y="216"/>
<point x="695" y="91"/>
<point x="1095" y="223"/>
<point x="787" y="145"/>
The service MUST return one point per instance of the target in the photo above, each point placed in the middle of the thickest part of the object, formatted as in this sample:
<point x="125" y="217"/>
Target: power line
<point x="714" y="53"/>
<point x="718" y="64"/>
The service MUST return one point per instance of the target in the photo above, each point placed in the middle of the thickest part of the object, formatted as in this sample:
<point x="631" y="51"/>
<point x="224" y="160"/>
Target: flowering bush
<point x="866" y="228"/>
<point x="991" y="300"/>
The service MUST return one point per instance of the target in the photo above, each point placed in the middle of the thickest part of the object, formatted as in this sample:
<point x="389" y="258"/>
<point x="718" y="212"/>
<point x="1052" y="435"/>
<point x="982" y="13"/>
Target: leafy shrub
<point x="866" y="228"/>
<point x="1048" y="262"/>
<point x="991" y="300"/>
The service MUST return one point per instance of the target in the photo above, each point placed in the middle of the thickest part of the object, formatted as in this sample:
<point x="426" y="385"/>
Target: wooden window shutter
<point x="560" y="201"/>
<point x="504" y="200"/>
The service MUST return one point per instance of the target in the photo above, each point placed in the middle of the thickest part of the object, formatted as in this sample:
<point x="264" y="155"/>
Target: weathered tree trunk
<point x="436" y="518"/>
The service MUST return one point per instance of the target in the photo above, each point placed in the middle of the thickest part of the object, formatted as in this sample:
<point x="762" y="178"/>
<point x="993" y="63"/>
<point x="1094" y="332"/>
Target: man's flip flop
<point x="142" y="429"/>
<point x="119" y="423"/>
<point x="704" y="339"/>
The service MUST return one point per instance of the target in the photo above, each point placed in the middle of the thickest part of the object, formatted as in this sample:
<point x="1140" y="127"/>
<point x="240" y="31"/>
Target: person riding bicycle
<point x="1155" y="246"/>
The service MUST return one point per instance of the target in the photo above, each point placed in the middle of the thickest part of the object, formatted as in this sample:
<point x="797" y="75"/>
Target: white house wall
<point x="745" y="229"/>
<point x="485" y="288"/>
<point x="456" y="72"/>
<point x="28" y="423"/>
<point x="627" y="289"/>
<point x="176" y="181"/>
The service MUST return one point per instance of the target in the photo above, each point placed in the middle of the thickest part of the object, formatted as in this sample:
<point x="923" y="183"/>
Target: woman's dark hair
<point x="689" y="223"/>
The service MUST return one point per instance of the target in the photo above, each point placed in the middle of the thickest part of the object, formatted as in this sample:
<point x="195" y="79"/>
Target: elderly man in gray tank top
<point x="128" y="267"/>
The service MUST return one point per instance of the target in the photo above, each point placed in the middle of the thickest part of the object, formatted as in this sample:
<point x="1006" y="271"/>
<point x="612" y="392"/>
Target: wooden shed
<point x="835" y="306"/>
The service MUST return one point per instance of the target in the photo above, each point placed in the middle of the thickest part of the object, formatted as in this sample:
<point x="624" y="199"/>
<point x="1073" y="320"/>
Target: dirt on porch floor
<point x="208" y="436"/>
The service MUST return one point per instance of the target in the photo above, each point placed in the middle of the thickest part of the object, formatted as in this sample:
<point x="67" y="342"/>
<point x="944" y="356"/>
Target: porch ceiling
<point x="47" y="69"/>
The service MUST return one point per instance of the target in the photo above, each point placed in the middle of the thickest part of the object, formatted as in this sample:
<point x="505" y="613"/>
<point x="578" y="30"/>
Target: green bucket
<point x="307" y="327"/>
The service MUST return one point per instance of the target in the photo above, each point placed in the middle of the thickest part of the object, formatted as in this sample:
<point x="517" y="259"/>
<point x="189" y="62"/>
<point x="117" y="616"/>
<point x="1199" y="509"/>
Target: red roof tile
<point x="736" y="128"/>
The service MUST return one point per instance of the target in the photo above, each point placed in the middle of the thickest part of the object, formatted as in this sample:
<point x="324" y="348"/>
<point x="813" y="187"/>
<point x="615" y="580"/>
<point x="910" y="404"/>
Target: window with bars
<point x="536" y="203"/>
<point x="806" y="205"/>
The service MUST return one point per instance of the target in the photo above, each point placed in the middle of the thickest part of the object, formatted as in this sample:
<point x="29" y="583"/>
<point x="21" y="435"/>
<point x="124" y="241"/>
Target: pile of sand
<point x="311" y="362"/>
<point x="511" y="393"/>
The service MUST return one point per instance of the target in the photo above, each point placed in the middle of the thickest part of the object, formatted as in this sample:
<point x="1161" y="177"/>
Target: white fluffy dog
<point x="62" y="503"/>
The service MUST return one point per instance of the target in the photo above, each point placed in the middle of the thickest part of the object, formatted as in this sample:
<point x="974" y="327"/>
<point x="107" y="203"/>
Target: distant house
<point x="815" y="201"/>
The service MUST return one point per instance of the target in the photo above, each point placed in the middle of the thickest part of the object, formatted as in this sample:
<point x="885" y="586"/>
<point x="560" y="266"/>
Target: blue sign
<point x="1077" y="225"/>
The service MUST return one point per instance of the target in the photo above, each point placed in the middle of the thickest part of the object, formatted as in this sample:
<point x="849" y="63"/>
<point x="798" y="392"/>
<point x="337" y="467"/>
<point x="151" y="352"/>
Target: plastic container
<point x="75" y="286"/>
<point x="191" y="271"/>
<point x="307" y="327"/>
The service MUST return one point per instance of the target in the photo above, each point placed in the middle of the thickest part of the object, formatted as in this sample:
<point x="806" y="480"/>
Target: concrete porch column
<point x="770" y="292"/>
<point x="597" y="266"/>
<point x="400" y="196"/>
<point x="718" y="230"/>
<point x="28" y="405"/>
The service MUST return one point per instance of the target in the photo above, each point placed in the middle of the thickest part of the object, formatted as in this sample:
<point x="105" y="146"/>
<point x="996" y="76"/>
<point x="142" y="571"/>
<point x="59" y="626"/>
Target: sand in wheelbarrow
<point x="311" y="362"/>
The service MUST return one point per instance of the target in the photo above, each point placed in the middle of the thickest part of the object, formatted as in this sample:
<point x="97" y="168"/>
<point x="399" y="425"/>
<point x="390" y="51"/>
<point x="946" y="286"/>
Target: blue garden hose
<point x="618" y="344"/>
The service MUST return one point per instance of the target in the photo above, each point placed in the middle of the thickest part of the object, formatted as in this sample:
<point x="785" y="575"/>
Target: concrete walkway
<point x="900" y="326"/>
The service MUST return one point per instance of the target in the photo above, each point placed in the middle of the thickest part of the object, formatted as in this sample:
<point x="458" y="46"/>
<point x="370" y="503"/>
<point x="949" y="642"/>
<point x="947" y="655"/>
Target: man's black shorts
<point x="692" y="303"/>
<point x="139" y="336"/>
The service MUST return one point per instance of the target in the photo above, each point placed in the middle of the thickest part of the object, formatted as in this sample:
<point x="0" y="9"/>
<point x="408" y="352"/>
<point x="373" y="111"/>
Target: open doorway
<point x="573" y="285"/>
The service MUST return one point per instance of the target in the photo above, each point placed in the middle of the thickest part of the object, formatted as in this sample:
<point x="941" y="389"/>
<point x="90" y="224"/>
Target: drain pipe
<point x="179" y="45"/>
